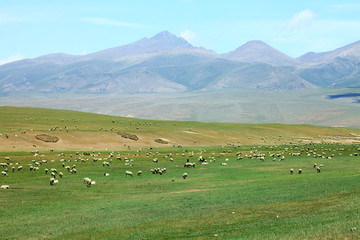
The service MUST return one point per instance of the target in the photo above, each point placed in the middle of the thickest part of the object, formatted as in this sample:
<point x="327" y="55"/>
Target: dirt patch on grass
<point x="128" y="135"/>
<point x="189" y="190"/>
<point x="47" y="138"/>
<point x="162" y="141"/>
<point x="190" y="132"/>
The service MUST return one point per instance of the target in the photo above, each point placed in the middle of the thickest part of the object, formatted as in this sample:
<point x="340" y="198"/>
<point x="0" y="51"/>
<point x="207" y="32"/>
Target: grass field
<point x="246" y="199"/>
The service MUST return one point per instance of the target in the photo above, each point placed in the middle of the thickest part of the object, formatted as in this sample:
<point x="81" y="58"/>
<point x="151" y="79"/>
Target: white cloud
<point x="301" y="20"/>
<point x="188" y="35"/>
<point x="111" y="22"/>
<point x="11" y="58"/>
<point x="5" y="19"/>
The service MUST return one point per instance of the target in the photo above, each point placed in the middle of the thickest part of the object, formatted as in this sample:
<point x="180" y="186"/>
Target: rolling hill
<point x="83" y="131"/>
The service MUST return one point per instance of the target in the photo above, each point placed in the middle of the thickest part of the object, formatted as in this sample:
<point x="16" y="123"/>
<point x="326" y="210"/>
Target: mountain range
<point x="167" y="63"/>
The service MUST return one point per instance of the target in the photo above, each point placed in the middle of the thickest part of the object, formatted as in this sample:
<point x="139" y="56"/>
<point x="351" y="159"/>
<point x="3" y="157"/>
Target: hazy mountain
<point x="260" y="52"/>
<point x="338" y="68"/>
<point x="351" y="51"/>
<point x="162" y="42"/>
<point x="167" y="63"/>
<point x="262" y="77"/>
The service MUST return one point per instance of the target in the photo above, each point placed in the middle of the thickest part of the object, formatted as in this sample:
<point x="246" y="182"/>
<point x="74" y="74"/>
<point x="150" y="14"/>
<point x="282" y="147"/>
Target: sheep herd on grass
<point x="273" y="153"/>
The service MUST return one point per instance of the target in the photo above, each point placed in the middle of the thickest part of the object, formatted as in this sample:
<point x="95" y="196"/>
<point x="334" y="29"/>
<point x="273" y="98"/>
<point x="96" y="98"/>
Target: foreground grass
<point x="247" y="199"/>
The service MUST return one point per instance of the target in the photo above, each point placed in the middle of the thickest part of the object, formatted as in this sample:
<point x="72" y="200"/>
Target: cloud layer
<point x="11" y="58"/>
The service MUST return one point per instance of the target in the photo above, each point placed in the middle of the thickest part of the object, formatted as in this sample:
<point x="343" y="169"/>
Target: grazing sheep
<point x="52" y="181"/>
<point x="53" y="175"/>
<point x="46" y="171"/>
<point x="31" y="168"/>
<point x="128" y="173"/>
<point x="291" y="171"/>
<point x="87" y="181"/>
<point x="106" y="174"/>
<point x="61" y="174"/>
<point x="139" y="173"/>
<point x="223" y="164"/>
<point x="4" y="173"/>
<point x="4" y="187"/>
<point x="19" y="168"/>
<point x="13" y="169"/>
<point x="67" y="168"/>
<point x="300" y="171"/>
<point x="155" y="160"/>
<point x="73" y="171"/>
<point x="185" y="175"/>
<point x="315" y="165"/>
<point x="188" y="164"/>
<point x="318" y="170"/>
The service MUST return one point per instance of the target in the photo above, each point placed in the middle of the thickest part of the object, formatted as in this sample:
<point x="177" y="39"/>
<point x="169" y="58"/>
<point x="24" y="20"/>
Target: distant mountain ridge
<point x="168" y="63"/>
<point x="258" y="51"/>
<point x="348" y="51"/>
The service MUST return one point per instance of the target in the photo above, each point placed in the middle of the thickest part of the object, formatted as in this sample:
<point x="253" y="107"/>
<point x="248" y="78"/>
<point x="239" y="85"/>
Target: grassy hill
<point x="84" y="131"/>
<point x="244" y="191"/>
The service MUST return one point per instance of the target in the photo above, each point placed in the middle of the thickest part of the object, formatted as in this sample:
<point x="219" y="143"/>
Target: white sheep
<point x="185" y="175"/>
<point x="139" y="173"/>
<point x="4" y="187"/>
<point x="106" y="174"/>
<point x="128" y="173"/>
<point x="53" y="181"/>
<point x="87" y="181"/>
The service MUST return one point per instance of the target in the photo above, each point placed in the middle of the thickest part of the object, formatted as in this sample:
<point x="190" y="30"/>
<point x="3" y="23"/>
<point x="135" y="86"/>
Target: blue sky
<point x="34" y="28"/>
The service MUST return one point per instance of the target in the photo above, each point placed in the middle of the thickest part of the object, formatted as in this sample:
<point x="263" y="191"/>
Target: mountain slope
<point x="260" y="52"/>
<point x="162" y="42"/>
<point x="351" y="51"/>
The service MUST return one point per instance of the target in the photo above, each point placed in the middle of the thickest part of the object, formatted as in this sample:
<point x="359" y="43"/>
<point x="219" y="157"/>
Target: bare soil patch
<point x="161" y="140"/>
<point x="190" y="190"/>
<point x="128" y="135"/>
<point x="47" y="138"/>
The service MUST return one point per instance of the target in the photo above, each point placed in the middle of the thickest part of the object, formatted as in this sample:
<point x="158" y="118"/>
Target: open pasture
<point x="254" y="197"/>
<point x="245" y="191"/>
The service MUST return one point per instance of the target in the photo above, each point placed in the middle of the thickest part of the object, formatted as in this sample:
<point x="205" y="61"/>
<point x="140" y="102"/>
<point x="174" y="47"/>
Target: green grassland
<point x="245" y="199"/>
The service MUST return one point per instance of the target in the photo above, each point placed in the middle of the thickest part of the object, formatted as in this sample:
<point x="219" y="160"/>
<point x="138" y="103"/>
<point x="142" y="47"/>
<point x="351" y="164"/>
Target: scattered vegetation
<point x="162" y="141"/>
<point x="47" y="138"/>
<point x="128" y="135"/>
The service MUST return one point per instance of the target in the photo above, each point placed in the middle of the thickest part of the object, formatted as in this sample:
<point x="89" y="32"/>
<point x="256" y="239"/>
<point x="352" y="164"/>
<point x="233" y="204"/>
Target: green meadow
<point x="244" y="191"/>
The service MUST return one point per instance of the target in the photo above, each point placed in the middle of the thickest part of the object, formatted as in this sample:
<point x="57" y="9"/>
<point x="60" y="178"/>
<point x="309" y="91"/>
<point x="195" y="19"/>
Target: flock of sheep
<point x="275" y="153"/>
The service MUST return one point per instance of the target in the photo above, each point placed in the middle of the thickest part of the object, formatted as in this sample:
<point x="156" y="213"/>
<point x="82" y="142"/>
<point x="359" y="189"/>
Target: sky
<point x="34" y="28"/>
